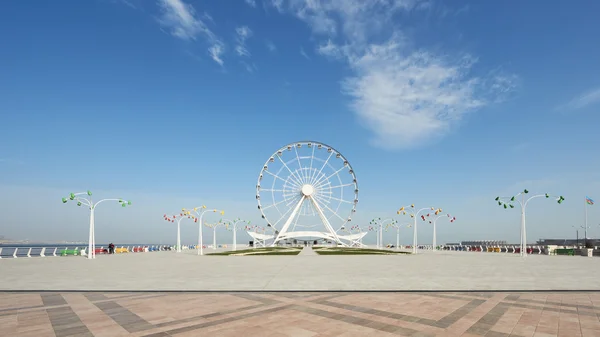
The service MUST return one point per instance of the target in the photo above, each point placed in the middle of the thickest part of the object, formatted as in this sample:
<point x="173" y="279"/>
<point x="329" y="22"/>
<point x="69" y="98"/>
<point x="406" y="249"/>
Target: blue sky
<point x="177" y="103"/>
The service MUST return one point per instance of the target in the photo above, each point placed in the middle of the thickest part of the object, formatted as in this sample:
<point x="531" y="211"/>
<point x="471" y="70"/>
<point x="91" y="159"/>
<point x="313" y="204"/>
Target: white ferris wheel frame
<point x="308" y="184"/>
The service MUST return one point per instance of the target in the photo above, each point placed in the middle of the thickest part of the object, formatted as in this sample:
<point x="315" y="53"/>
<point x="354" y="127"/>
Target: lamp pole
<point x="178" y="218"/>
<point x="87" y="201"/>
<point x="214" y="228"/>
<point x="398" y="226"/>
<point x="413" y="214"/>
<point x="234" y="224"/>
<point x="199" y="211"/>
<point x="507" y="202"/>
<point x="379" y="224"/>
<point x="433" y="220"/>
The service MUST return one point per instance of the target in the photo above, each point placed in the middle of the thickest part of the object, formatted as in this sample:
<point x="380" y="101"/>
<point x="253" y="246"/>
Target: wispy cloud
<point x="406" y="97"/>
<point x="250" y="67"/>
<point x="243" y="33"/>
<point x="184" y="23"/>
<point x="251" y="3"/>
<point x="278" y="4"/>
<point x="271" y="46"/>
<point x="216" y="51"/>
<point x="127" y="3"/>
<point x="303" y="53"/>
<point x="583" y="100"/>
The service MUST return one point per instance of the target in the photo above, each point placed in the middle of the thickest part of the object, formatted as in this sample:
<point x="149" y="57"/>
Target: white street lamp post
<point x="507" y="202"/>
<point x="433" y="220"/>
<point x="234" y="224"/>
<point x="175" y="218"/>
<point x="398" y="226"/>
<point x="81" y="200"/>
<point x="214" y="228"/>
<point x="199" y="211"/>
<point x="379" y="224"/>
<point x="414" y="216"/>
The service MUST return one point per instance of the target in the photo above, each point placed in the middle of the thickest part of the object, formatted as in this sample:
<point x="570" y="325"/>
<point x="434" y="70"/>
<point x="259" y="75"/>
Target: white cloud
<point x="588" y="98"/>
<point x="271" y="46"/>
<point x="215" y="51"/>
<point x="243" y="33"/>
<point x="405" y="96"/>
<point x="183" y="22"/>
<point x="249" y="67"/>
<point x="251" y="3"/>
<point x="303" y="53"/>
<point x="278" y="4"/>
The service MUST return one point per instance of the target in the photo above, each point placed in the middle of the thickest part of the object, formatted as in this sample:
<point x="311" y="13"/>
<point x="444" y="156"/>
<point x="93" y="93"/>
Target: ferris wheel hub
<point x="308" y="190"/>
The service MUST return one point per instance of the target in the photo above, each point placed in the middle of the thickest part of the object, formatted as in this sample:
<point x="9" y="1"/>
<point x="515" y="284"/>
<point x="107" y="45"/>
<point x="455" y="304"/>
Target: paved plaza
<point x="167" y="271"/>
<point x="300" y="314"/>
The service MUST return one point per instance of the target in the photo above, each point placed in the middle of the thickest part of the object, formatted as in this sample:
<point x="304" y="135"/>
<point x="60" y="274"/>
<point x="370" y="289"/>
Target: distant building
<point x="567" y="242"/>
<point x="484" y="243"/>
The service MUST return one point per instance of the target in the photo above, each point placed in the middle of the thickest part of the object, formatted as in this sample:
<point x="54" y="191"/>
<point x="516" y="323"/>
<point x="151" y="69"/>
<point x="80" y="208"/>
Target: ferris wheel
<point x="307" y="190"/>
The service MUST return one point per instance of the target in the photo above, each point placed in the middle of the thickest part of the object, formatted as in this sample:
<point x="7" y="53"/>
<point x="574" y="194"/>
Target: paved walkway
<point x="164" y="271"/>
<point x="300" y="314"/>
<point x="308" y="251"/>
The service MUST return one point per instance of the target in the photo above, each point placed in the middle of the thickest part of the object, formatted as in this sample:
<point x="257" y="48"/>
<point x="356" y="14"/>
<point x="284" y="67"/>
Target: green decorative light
<point x="512" y="199"/>
<point x="79" y="203"/>
<point x="560" y="199"/>
<point x="525" y="191"/>
<point x="124" y="205"/>
<point x="120" y="200"/>
<point x="505" y="206"/>
<point x="89" y="193"/>
<point x="512" y="206"/>
<point x="72" y="196"/>
<point x="497" y="198"/>
<point x="64" y="200"/>
<point x="547" y="195"/>
<point x="500" y="203"/>
<point x="128" y="203"/>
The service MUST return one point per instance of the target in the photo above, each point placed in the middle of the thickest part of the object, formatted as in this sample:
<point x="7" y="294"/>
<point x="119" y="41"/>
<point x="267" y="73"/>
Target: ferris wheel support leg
<point x="288" y="222"/>
<point x="326" y="222"/>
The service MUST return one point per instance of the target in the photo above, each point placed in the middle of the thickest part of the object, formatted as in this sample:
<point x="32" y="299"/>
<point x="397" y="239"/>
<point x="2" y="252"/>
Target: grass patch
<point x="356" y="251"/>
<point x="260" y="251"/>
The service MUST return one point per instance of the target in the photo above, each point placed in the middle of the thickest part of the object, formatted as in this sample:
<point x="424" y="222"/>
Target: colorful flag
<point x="589" y="201"/>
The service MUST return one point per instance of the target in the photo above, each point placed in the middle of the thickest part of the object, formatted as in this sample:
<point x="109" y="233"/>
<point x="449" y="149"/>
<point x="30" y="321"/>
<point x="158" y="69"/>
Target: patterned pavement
<point x="300" y="314"/>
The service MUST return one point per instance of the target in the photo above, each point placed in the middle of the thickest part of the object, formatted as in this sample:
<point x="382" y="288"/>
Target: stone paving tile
<point x="65" y="322"/>
<point x="300" y="314"/>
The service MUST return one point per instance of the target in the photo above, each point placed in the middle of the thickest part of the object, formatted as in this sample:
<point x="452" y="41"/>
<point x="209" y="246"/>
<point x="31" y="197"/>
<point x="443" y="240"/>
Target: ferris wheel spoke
<point x="300" y="173"/>
<point x="324" y="180"/>
<point x="310" y="170"/>
<point x="285" y="181"/>
<point x="332" y="211"/>
<point x="340" y="186"/>
<point x="292" y="174"/>
<point x="292" y="200"/>
<point x="275" y="204"/>
<point x="323" y="198"/>
<point x="274" y="226"/>
<point x="315" y="177"/>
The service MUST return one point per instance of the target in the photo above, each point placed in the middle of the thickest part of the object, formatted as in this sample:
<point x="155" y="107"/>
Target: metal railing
<point x="58" y="250"/>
